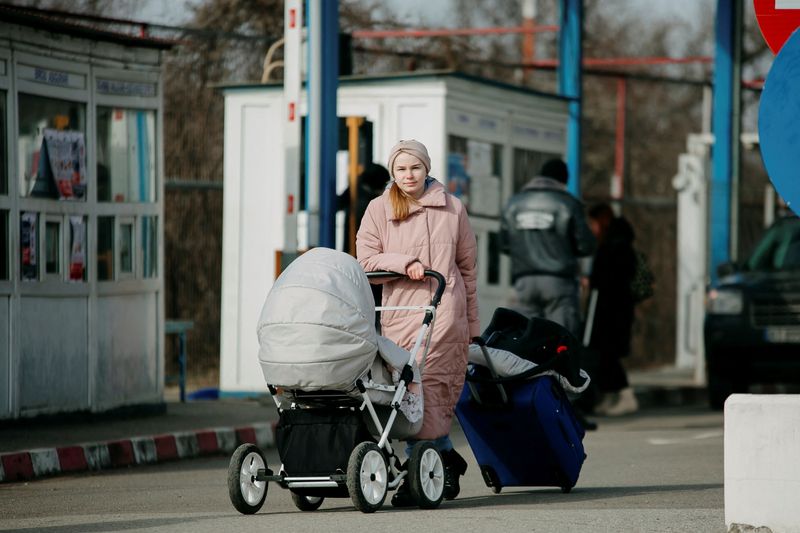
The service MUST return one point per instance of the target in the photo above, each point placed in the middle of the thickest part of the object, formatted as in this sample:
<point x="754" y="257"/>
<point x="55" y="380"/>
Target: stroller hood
<point x="317" y="326"/>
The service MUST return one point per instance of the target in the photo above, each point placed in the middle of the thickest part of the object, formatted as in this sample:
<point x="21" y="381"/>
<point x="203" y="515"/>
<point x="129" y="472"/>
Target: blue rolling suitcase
<point x="523" y="433"/>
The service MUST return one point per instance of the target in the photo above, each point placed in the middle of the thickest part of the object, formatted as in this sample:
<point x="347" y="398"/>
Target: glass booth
<point x="80" y="221"/>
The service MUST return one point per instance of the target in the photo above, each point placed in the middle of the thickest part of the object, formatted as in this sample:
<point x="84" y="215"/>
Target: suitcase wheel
<point x="491" y="479"/>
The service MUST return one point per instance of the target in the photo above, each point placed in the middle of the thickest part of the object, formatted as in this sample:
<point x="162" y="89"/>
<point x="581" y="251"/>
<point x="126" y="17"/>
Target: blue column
<point x="570" y="56"/>
<point x="725" y="127"/>
<point x="329" y="122"/>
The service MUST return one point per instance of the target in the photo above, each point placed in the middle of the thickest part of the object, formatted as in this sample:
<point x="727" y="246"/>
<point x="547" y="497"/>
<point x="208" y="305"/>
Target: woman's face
<point x="409" y="173"/>
<point x="594" y="225"/>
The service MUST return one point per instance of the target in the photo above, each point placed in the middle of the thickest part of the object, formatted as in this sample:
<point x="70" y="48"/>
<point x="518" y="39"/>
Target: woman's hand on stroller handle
<point x="437" y="296"/>
<point x="415" y="270"/>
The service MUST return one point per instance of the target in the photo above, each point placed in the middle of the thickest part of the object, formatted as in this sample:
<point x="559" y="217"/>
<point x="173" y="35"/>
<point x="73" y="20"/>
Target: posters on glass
<point x="77" y="254"/>
<point x="485" y="188"/>
<point x="28" y="245"/>
<point x="458" y="178"/>
<point x="65" y="153"/>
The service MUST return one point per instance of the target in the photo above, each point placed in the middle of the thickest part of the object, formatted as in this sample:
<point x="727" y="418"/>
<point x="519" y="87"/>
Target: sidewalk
<point x="667" y="387"/>
<point x="35" y="449"/>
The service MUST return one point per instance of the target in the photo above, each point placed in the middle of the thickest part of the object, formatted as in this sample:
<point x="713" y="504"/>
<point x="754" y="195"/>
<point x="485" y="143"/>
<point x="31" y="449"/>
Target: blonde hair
<point x="401" y="202"/>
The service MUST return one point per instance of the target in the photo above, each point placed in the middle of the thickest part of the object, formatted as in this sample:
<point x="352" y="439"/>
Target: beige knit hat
<point x="412" y="147"/>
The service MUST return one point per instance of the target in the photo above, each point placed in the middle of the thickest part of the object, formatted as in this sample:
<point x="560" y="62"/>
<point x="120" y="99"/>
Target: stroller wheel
<point x="367" y="477"/>
<point x="307" y="503"/>
<point x="246" y="491"/>
<point x="426" y="475"/>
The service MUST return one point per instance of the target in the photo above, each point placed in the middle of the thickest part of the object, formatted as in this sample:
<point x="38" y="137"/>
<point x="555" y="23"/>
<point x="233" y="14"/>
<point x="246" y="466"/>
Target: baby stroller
<point x="521" y="376"/>
<point x="342" y="393"/>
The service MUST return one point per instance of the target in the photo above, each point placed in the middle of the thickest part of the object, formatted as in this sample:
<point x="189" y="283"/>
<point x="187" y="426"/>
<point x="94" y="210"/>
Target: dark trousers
<point x="611" y="375"/>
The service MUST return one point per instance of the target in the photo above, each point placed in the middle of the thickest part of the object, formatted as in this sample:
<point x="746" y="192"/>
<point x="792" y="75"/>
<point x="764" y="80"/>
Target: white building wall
<point x="128" y="370"/>
<point x="252" y="231"/>
<point x="5" y="358"/>
<point x="53" y="362"/>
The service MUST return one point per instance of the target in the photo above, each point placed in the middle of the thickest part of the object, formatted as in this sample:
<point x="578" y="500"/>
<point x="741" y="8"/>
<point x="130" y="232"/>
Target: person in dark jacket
<point x="545" y="232"/>
<point x="371" y="184"/>
<point x="613" y="270"/>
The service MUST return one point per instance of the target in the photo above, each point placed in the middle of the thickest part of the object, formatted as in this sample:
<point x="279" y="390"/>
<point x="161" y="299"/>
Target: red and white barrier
<point x="43" y="462"/>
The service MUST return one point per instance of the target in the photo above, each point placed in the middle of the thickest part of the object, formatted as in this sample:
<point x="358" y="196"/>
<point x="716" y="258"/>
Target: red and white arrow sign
<point x="777" y="20"/>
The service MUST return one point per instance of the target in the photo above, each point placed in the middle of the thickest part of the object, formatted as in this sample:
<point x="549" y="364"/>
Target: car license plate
<point x="783" y="335"/>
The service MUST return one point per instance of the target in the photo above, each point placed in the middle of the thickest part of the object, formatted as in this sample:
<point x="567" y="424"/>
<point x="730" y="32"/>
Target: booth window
<point x="77" y="248"/>
<point x="105" y="248"/>
<point x="126" y="155"/>
<point x="149" y="248"/>
<point x="474" y="171"/>
<point x="4" y="246"/>
<point x="527" y="164"/>
<point x="52" y="246"/>
<point x="3" y="149"/>
<point x="51" y="131"/>
<point x="493" y="268"/>
<point x="126" y="232"/>
<point x="28" y="245"/>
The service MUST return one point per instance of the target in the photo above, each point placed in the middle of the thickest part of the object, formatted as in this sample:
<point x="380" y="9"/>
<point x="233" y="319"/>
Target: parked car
<point x="752" y="325"/>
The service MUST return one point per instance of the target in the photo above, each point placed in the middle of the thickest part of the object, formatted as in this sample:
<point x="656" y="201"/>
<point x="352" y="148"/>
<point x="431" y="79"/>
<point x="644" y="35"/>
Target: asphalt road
<point x="657" y="471"/>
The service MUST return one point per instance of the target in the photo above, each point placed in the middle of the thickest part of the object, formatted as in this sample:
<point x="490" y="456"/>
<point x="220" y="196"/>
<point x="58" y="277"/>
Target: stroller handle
<point x="437" y="296"/>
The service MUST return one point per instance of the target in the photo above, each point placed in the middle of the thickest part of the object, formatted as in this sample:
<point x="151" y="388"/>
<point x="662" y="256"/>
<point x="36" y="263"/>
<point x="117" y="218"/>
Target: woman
<point x="612" y="272"/>
<point x="413" y="226"/>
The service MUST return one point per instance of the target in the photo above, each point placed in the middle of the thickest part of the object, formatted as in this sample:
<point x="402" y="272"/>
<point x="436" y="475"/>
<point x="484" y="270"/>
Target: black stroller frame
<point x="373" y="468"/>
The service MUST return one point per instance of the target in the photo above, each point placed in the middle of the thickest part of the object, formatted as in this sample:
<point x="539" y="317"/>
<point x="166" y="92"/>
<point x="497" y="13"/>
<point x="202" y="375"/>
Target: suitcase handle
<point x="503" y="396"/>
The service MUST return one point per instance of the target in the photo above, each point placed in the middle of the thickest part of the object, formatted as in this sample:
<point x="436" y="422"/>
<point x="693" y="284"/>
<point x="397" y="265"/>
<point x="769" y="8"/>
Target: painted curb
<point x="48" y="462"/>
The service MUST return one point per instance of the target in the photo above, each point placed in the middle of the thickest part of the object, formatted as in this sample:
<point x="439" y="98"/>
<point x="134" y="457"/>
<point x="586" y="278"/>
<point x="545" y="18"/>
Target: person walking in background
<point x="415" y="225"/>
<point x="613" y="271"/>
<point x="545" y="232"/>
<point x="371" y="184"/>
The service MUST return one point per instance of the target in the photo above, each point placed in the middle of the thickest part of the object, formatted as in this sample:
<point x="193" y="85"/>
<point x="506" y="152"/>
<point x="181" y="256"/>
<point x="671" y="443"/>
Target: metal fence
<point x="193" y="274"/>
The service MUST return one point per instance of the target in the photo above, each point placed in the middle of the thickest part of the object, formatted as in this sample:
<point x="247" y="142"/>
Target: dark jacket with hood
<point x="544" y="230"/>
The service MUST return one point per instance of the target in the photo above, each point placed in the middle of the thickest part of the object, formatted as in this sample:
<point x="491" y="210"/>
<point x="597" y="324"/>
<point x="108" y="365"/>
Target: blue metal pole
<point x="182" y="364"/>
<point x="329" y="122"/>
<point x="570" y="55"/>
<point x="725" y="128"/>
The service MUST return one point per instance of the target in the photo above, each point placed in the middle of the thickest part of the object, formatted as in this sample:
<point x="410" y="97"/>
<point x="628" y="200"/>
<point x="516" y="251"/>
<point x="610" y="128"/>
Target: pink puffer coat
<point x="437" y="233"/>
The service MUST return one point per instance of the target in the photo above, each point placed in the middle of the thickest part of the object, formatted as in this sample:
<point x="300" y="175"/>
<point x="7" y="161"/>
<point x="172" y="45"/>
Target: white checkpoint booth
<point x="486" y="140"/>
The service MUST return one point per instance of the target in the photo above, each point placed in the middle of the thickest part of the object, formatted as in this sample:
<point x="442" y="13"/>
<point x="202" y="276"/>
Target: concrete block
<point x="762" y="462"/>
